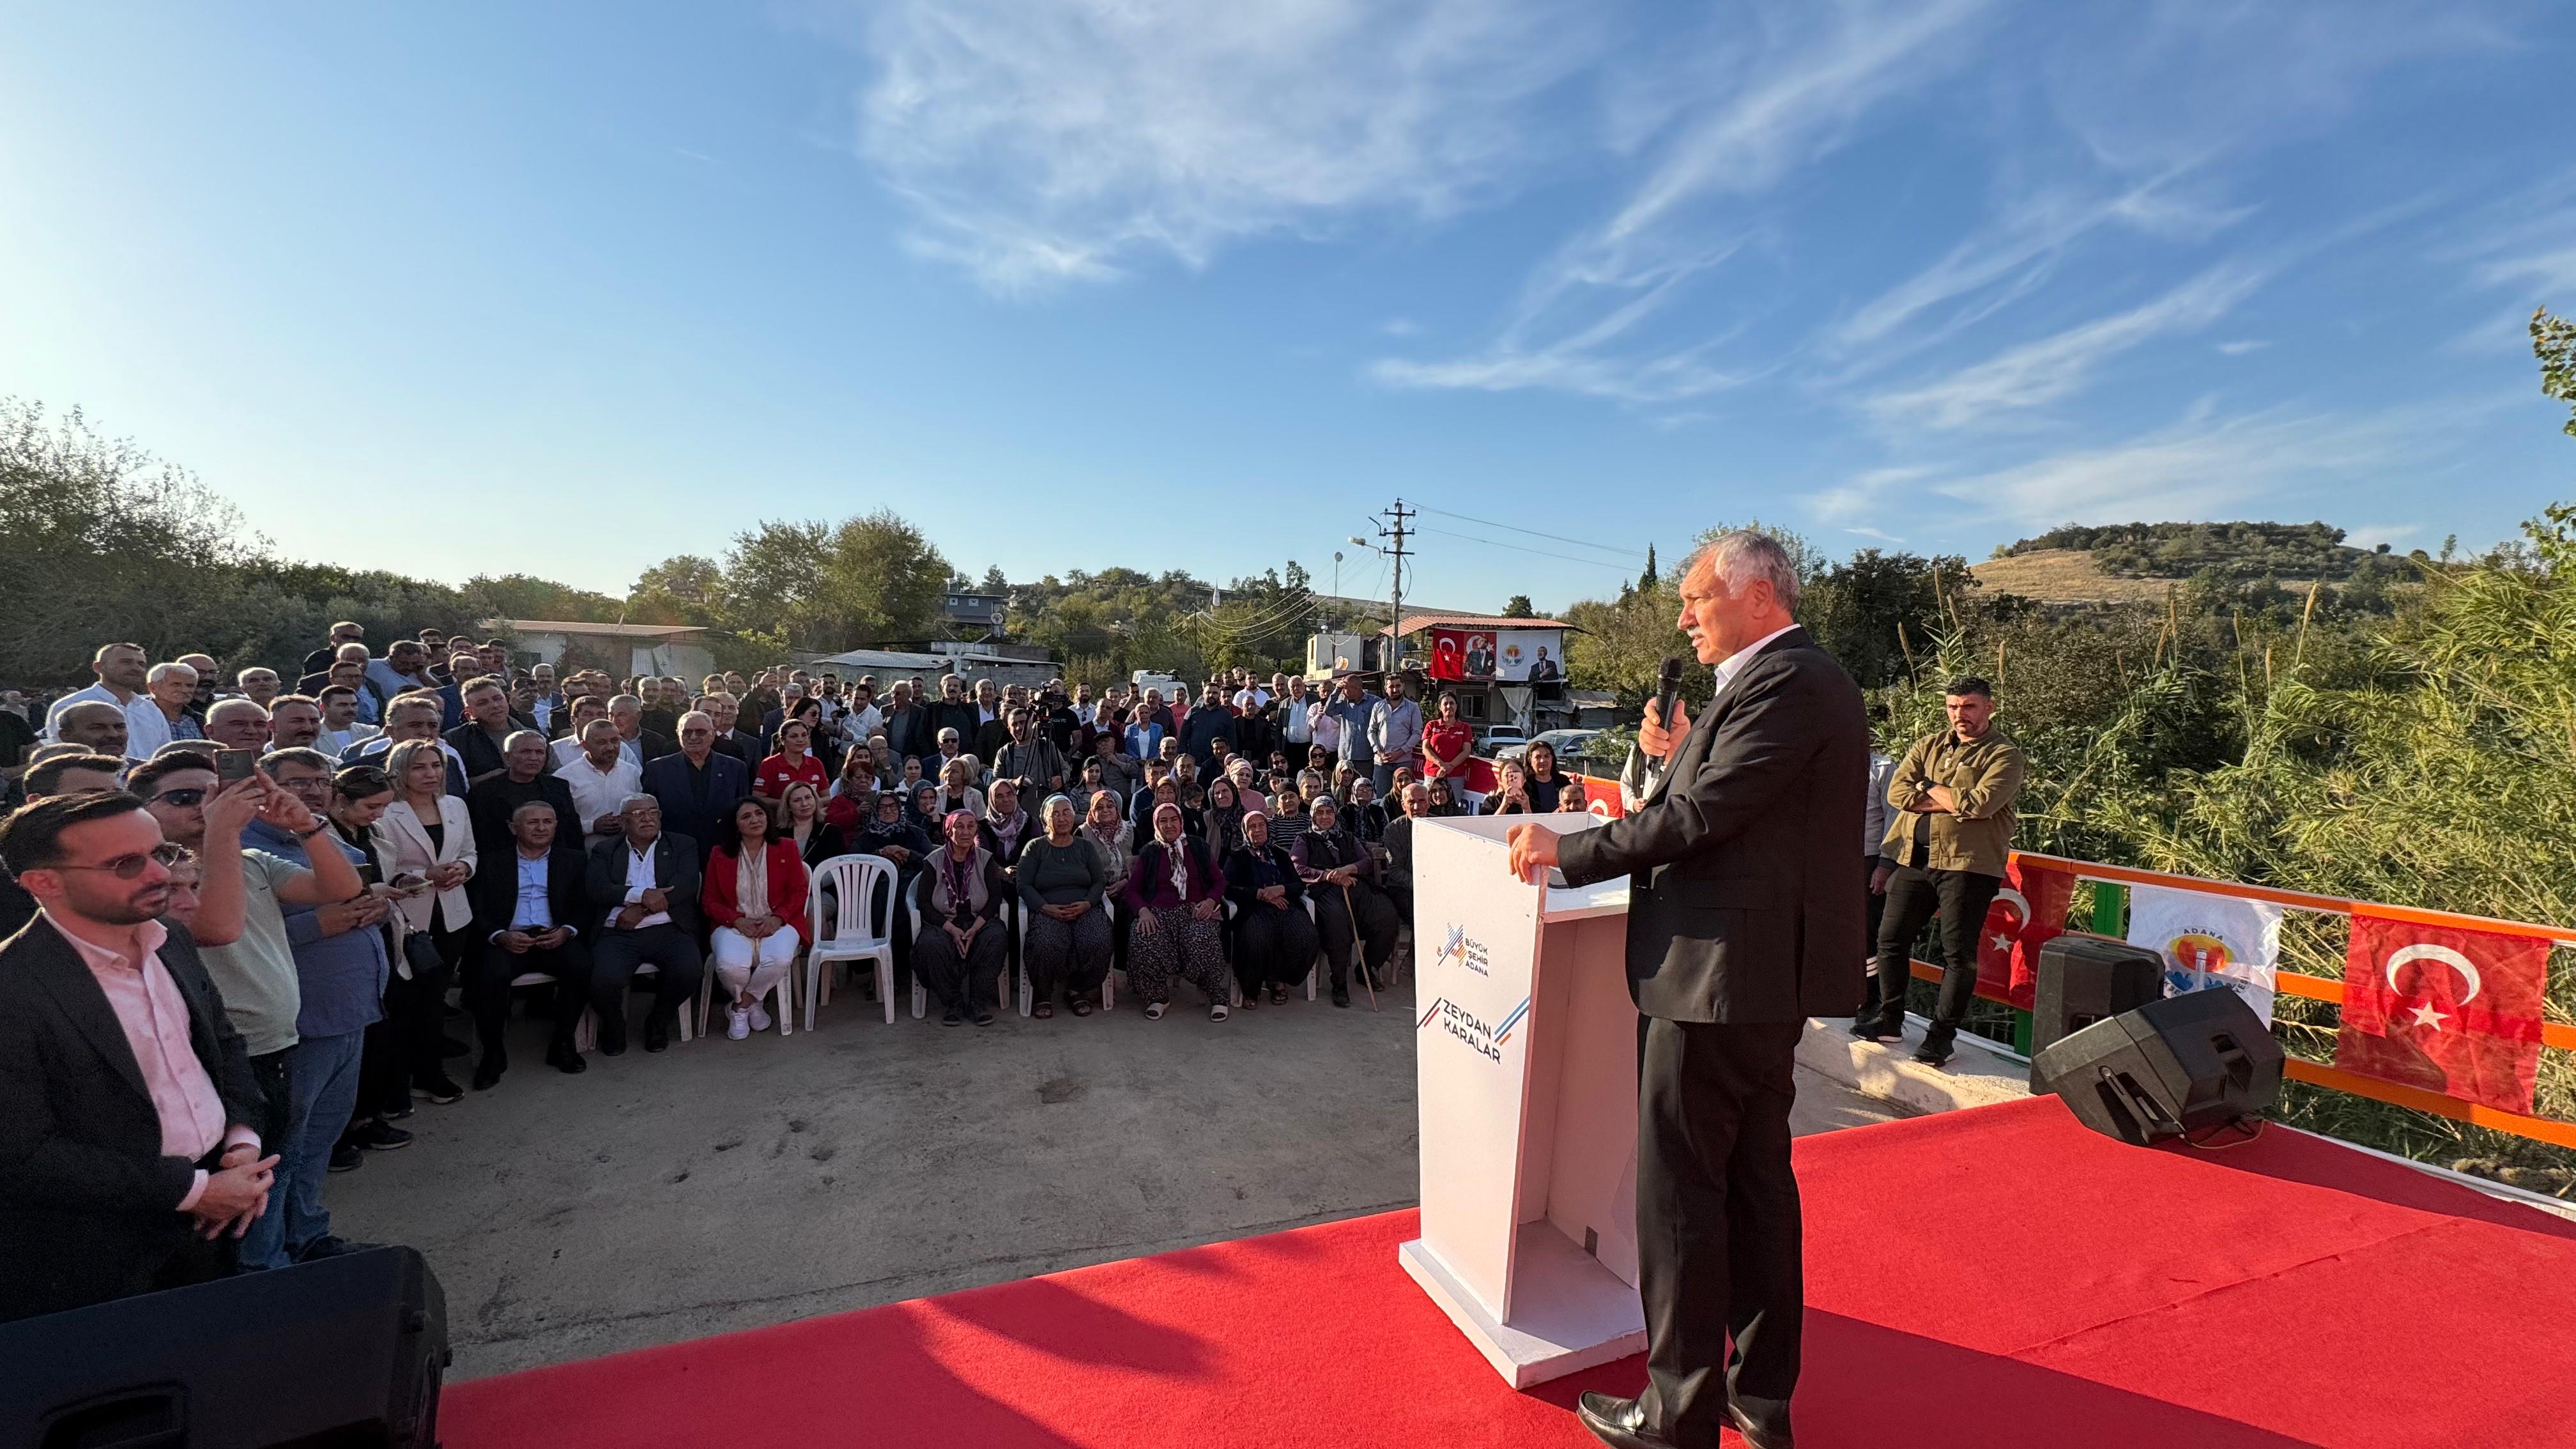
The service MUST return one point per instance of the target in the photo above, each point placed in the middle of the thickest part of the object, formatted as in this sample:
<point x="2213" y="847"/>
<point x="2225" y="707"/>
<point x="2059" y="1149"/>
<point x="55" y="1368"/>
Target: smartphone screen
<point x="235" y="765"/>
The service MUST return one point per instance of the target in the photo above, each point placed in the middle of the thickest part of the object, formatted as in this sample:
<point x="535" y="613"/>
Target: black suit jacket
<point x="88" y="1205"/>
<point x="490" y="805"/>
<point x="1749" y="903"/>
<point x="495" y="892"/>
<point x="667" y="779"/>
<point x="675" y="875"/>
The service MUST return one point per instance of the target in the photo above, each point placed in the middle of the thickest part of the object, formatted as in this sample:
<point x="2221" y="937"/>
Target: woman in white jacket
<point x="427" y="846"/>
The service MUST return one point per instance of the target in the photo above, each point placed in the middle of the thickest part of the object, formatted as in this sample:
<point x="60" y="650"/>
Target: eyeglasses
<point x="127" y="867"/>
<point x="183" y="798"/>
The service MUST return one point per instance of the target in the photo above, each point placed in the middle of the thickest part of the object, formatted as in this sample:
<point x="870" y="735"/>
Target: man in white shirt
<point x="585" y="708"/>
<point x="863" y="718"/>
<point x="645" y="887"/>
<point x="341" y="727"/>
<point x="601" y="779"/>
<point x="120" y="669"/>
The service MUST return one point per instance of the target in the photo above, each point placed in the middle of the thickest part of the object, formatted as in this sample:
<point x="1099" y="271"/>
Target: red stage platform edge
<point x="1985" y="1278"/>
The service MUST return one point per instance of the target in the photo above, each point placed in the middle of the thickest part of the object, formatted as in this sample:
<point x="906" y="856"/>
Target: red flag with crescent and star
<point x="2028" y="911"/>
<point x="2449" y="1011"/>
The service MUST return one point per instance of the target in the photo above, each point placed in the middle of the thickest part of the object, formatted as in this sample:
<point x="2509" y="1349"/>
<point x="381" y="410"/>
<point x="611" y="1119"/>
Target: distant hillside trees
<point x="2229" y="550"/>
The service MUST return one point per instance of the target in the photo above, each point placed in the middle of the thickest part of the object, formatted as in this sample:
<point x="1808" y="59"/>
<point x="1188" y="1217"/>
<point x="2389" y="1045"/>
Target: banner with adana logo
<point x="2209" y="940"/>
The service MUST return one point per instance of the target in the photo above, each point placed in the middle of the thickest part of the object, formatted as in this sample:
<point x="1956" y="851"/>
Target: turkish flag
<point x="2028" y="911"/>
<point x="2448" y="1011"/>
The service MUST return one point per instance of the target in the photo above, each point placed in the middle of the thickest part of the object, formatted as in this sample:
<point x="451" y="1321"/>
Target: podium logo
<point x="1466" y="1026"/>
<point x="1457" y="949"/>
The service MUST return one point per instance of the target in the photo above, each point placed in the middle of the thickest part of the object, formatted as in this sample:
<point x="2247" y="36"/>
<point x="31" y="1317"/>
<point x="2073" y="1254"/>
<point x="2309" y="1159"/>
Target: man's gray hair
<point x="159" y="672"/>
<point x="1742" y="555"/>
<point x="224" y="709"/>
<point x="625" y="701"/>
<point x="419" y="702"/>
<point x="631" y="801"/>
<point x="511" y="740"/>
<point x="700" y="716"/>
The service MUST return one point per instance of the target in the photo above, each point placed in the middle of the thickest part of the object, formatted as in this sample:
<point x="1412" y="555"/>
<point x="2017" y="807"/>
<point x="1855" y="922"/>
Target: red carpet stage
<point x="1983" y="1278"/>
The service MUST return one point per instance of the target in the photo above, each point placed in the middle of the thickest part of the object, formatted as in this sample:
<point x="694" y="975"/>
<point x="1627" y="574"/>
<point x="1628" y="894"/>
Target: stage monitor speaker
<point x="2168" y="1068"/>
<point x="2084" y="979"/>
<point x="346" y="1351"/>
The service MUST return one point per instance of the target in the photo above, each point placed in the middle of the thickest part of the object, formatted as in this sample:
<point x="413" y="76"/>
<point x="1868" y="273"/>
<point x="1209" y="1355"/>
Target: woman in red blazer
<point x="754" y="896"/>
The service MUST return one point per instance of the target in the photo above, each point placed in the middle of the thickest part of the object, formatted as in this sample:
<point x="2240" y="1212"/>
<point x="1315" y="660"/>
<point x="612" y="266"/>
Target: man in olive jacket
<point x="1746" y="917"/>
<point x="1951" y="841"/>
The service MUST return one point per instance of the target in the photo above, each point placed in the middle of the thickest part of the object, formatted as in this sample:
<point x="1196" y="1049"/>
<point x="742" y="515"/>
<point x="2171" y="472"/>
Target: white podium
<point x="1526" y="1057"/>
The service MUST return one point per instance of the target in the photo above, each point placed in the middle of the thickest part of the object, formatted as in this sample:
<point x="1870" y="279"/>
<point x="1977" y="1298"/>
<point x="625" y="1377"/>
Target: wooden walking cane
<point x="1356" y="945"/>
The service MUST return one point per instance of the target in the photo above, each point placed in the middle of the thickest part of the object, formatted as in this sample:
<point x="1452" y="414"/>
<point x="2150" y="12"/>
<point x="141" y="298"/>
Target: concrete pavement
<point x="726" y="1185"/>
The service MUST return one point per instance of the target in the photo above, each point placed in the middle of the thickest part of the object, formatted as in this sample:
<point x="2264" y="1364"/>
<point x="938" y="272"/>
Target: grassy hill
<point x="2184" y="550"/>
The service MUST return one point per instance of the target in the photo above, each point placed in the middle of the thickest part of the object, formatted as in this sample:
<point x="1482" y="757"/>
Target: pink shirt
<point x="155" y="1017"/>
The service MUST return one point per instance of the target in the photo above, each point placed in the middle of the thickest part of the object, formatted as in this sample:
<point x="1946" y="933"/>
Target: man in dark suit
<point x="529" y="909"/>
<point x="523" y="778"/>
<point x="643" y="889"/>
<point x="1746" y="919"/>
<point x="698" y="788"/>
<point x="126" y="1161"/>
<point x="626" y="711"/>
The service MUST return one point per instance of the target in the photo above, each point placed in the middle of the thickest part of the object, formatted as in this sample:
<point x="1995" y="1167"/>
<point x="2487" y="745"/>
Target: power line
<point x="1520" y="548"/>
<point x="1534" y="533"/>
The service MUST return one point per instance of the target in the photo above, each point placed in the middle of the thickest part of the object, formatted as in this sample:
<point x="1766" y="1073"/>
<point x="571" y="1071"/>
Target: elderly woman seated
<point x="1274" y="941"/>
<point x="1172" y="890"/>
<point x="1064" y="898"/>
<point x="1348" y="903"/>
<point x="959" y="953"/>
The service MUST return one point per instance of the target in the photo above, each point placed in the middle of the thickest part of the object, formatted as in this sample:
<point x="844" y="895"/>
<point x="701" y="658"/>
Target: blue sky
<point x="570" y="288"/>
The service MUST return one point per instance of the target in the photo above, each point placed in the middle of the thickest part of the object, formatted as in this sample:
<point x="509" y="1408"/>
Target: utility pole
<point x="1399" y="515"/>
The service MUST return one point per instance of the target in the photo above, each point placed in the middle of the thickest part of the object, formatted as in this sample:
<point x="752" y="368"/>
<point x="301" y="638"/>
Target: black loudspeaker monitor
<point x="344" y="1351"/>
<point x="2084" y="979"/>
<point x="2171" y="1067"/>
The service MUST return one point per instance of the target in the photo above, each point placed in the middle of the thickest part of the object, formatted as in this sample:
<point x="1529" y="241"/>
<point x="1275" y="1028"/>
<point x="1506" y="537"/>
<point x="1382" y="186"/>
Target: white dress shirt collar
<point x="1733" y="664"/>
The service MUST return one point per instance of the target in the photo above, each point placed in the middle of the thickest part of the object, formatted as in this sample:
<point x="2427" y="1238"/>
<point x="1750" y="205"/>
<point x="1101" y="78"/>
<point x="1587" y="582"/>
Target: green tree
<point x="2553" y="341"/>
<point x="1648" y="579"/>
<point x="685" y="589"/>
<point x="1518" y="606"/>
<point x="884" y="580"/>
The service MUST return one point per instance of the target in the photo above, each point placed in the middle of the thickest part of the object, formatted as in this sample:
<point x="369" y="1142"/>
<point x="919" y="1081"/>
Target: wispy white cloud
<point x="2054" y="367"/>
<point x="1045" y="141"/>
<point x="2243" y="346"/>
<point x="1786" y="92"/>
<point x="2204" y="466"/>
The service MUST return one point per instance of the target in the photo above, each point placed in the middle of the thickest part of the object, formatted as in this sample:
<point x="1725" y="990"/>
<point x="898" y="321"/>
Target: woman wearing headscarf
<point x="889" y="834"/>
<point x="1342" y="874"/>
<point x="1006" y="828"/>
<point x="1165" y="793"/>
<point x="1221" y="820"/>
<point x="1444" y="798"/>
<point x="1104" y="829"/>
<point x="754" y="899"/>
<point x="921" y="811"/>
<point x="1064" y="898"/>
<point x="1172" y="891"/>
<point x="1362" y="814"/>
<point x="1274" y="941"/>
<point x="1246" y="793"/>
<point x="959" y="953"/>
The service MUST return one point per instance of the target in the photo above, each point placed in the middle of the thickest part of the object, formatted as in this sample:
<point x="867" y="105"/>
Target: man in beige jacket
<point x="1951" y="839"/>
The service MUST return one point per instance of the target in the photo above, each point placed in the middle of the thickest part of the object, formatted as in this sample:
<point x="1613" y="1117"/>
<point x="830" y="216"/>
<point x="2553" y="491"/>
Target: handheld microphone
<point x="1667" y="687"/>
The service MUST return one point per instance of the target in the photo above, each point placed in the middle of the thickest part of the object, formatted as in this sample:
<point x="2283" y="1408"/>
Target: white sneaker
<point x="737" y="1023"/>
<point x="759" y="1017"/>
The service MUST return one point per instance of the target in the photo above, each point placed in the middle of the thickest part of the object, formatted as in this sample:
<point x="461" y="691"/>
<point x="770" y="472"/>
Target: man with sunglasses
<point x="127" y="1108"/>
<point x="245" y="892"/>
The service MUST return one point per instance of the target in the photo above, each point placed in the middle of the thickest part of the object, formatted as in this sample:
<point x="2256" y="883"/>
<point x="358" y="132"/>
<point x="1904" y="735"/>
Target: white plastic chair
<point x="784" y="993"/>
<point x="1312" y="967"/>
<point x="586" y="1035"/>
<point x="1028" y="989"/>
<point x="853" y="881"/>
<point x="921" y="993"/>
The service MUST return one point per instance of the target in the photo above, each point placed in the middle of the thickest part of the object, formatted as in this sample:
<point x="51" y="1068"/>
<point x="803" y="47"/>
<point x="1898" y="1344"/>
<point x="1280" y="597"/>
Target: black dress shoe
<point x="565" y="1060"/>
<point x="1341" y="996"/>
<point x="1754" y="1434"/>
<point x="657" y="1035"/>
<point x="345" y="1157"/>
<point x="487" y="1073"/>
<point x="1618" y="1422"/>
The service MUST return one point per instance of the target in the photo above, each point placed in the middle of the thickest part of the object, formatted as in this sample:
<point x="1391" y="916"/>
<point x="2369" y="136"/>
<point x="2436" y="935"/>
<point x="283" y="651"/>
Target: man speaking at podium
<point x="1746" y="918"/>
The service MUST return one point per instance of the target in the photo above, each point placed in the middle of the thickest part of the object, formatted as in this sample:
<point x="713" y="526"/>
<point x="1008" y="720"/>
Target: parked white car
<point x="1568" y="745"/>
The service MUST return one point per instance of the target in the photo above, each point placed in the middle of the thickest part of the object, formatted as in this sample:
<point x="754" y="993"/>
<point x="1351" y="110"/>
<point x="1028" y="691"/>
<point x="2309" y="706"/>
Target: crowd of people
<point x="276" y="887"/>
